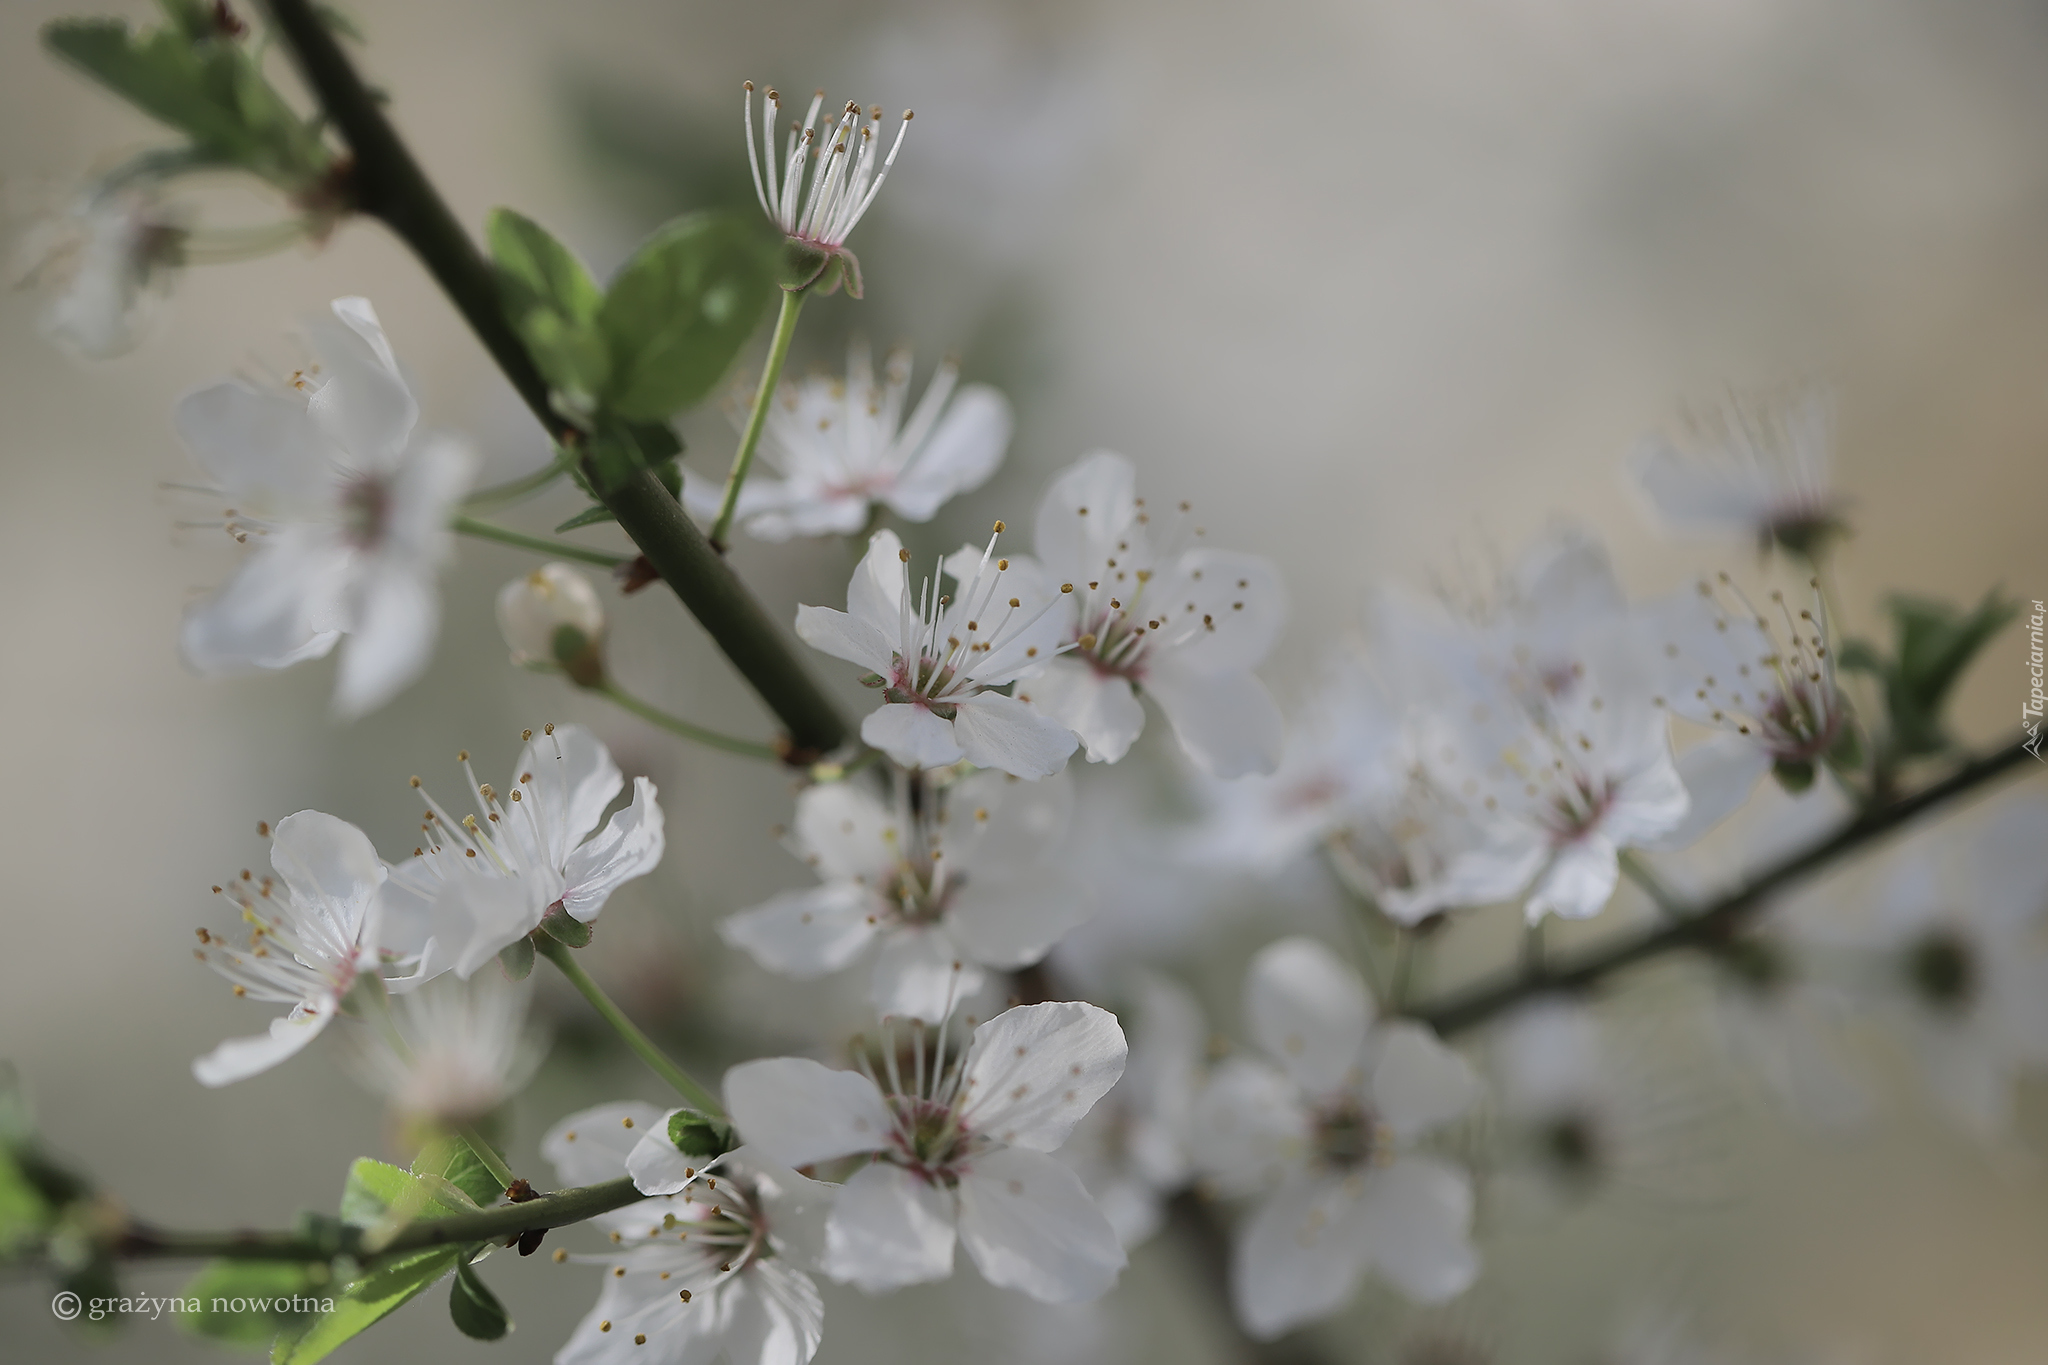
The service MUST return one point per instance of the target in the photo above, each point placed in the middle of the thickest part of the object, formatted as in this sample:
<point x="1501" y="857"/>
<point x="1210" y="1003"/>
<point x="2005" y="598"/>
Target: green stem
<point x="743" y="459"/>
<point x="560" y="549"/>
<point x="1640" y="872"/>
<point x="676" y="725"/>
<point x="564" y="957"/>
<point x="386" y="183"/>
<point x="1404" y="967"/>
<point x="512" y="490"/>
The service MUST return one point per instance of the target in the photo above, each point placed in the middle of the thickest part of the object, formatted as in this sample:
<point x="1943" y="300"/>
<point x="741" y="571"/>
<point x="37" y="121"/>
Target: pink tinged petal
<point x="592" y="1144"/>
<point x="889" y="1228"/>
<point x="282" y="607"/>
<point x="1240" y="604"/>
<point x="1104" y="483"/>
<point x="844" y="636"/>
<point x="1012" y="923"/>
<point x="240" y="1058"/>
<point x="1247" y="1127"/>
<point x="999" y="732"/>
<point x="630" y="846"/>
<point x="251" y="442"/>
<point x="1417" y="1083"/>
<point x="959" y="456"/>
<point x="774" y="1317"/>
<point x="1417" y="1225"/>
<point x="1098" y="707"/>
<point x="397" y="614"/>
<point x="333" y="874"/>
<point x="1227" y="722"/>
<point x="911" y="735"/>
<point x="362" y="404"/>
<point x="1309" y="1011"/>
<point x="920" y="974"/>
<point x="657" y="1165"/>
<point x="805" y="934"/>
<point x="1718" y="774"/>
<point x="1030" y="1226"/>
<point x="1579" y="881"/>
<point x="874" y="595"/>
<point x="1299" y="1259"/>
<point x="575" y="779"/>
<point x="848" y="831"/>
<point x="1034" y="1070"/>
<point x="799" y="1112"/>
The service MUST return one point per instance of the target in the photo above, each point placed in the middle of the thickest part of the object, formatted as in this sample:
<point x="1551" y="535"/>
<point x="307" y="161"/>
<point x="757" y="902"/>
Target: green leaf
<point x="451" y="1159"/>
<point x="475" y="1308"/>
<point x="564" y="927"/>
<point x="372" y="1188"/>
<point x="589" y="516"/>
<point x="1935" y="642"/>
<point x="24" y="1213"/>
<point x="700" y="1135"/>
<point x="366" y="1301"/>
<point x="247" y="1303"/>
<point x="536" y="271"/>
<point x="678" y="312"/>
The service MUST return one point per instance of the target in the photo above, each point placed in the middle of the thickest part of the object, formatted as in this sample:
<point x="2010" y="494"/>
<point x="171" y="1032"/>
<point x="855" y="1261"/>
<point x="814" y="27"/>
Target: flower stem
<point x="497" y="495"/>
<point x="1641" y="873"/>
<point x="564" y="957"/>
<point x="561" y="549"/>
<point x="676" y="725"/>
<point x="771" y="375"/>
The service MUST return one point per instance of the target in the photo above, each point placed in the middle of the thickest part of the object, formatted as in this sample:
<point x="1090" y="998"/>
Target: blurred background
<point x="1384" y="289"/>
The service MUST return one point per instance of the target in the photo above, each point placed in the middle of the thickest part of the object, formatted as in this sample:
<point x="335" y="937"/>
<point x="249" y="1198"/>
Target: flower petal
<point x="333" y="874"/>
<point x="657" y="1165"/>
<point x="774" y="1317"/>
<point x="1227" y="722"/>
<point x="1248" y="1126"/>
<point x="474" y="916"/>
<point x="799" y="1112"/>
<point x="1417" y="1220"/>
<point x="920" y="974"/>
<point x="281" y="607"/>
<point x="1100" y="708"/>
<point x="1309" y="1011"/>
<point x="848" y="831"/>
<point x="254" y="442"/>
<point x="362" y="404"/>
<point x="1242" y="603"/>
<point x="960" y="455"/>
<point x="1106" y="485"/>
<point x="591" y="1145"/>
<point x="1013" y="922"/>
<point x="797" y="1208"/>
<point x="844" y="636"/>
<point x="238" y="1059"/>
<point x="1418" y="1083"/>
<point x="805" y="934"/>
<point x="1579" y="881"/>
<point x="889" y="1228"/>
<point x="874" y="595"/>
<point x="911" y="735"/>
<point x="1298" y="1259"/>
<point x="1718" y="773"/>
<point x="574" y="779"/>
<point x="1030" y="1226"/>
<point x="1034" y="1070"/>
<point x="397" y="614"/>
<point x="630" y="846"/>
<point x="995" y="731"/>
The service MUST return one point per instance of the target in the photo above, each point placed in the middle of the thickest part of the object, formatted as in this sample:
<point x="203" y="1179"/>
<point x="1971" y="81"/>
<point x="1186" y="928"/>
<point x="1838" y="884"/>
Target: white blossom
<point x="535" y="606"/>
<point x="463" y="1048"/>
<point x="960" y="1152"/>
<point x="845" y="173"/>
<point x="306" y="947"/>
<point x="1755" y="467"/>
<point x="968" y="880"/>
<point x="938" y="661"/>
<point x="107" y="264"/>
<point x="1327" y="1122"/>
<point x="348" y="509"/>
<point x="845" y="449"/>
<point x="712" y="1270"/>
<point x="478" y="884"/>
<point x="1152" y="612"/>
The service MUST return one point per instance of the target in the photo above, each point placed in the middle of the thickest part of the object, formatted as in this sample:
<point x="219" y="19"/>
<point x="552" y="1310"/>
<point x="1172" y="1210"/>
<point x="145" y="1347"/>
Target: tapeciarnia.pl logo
<point x="2032" y="707"/>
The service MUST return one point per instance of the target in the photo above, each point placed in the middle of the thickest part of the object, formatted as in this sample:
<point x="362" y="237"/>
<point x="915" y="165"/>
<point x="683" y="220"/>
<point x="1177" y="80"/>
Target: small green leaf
<point x="516" y="958"/>
<point x="678" y="312"/>
<point x="365" y="1302"/>
<point x="24" y="1213"/>
<point x="452" y="1160"/>
<point x="247" y="1303"/>
<point x="700" y="1135"/>
<point x="475" y="1308"/>
<point x="563" y="927"/>
<point x="589" y="516"/>
<point x="1934" y="643"/>
<point x="1795" y="777"/>
<point x="536" y="271"/>
<point x="371" y="1189"/>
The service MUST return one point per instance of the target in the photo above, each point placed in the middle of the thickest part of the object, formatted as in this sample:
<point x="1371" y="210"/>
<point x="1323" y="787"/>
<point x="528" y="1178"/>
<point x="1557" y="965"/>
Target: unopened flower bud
<point x="553" y="615"/>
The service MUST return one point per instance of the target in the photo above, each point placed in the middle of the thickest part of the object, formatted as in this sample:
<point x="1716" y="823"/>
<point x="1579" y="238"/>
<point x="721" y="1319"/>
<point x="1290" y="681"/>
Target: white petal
<point x="657" y="1165"/>
<point x="1241" y="604"/>
<point x="797" y="1208"/>
<point x="1099" y="707"/>
<point x="437" y="473"/>
<point x="574" y="779"/>
<point x="1719" y="773"/>
<point x="959" y="456"/>
<point x="1227" y="722"/>
<point x="847" y="831"/>
<point x="333" y="874"/>
<point x="1248" y="1126"/>
<point x="1034" y="1070"/>
<point x="996" y="825"/>
<point x="252" y="442"/>
<point x="1299" y="1258"/>
<point x="1309" y="1011"/>
<point x="397" y="614"/>
<point x="592" y="1145"/>
<point x="630" y="846"/>
<point x="805" y="934"/>
<point x="799" y="1112"/>
<point x="844" y="637"/>
<point x="889" y="1228"/>
<point x="1418" y="1216"/>
<point x="995" y="731"/>
<point x="920" y="974"/>
<point x="1013" y="922"/>
<point x="473" y="917"/>
<point x="362" y="404"/>
<point x="1579" y="881"/>
<point x="1650" y="802"/>
<point x="911" y="735"/>
<point x="1106" y="485"/>
<point x="240" y="1058"/>
<point x="874" y="596"/>
<point x="1418" y="1083"/>
<point x="282" y="607"/>
<point x="775" y="1316"/>
<point x="1689" y="491"/>
<point x="1030" y="1226"/>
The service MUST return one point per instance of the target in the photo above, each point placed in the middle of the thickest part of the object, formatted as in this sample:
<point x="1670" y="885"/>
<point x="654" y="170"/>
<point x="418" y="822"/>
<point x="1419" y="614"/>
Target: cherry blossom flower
<point x="713" y="1269"/>
<point x="1755" y="467"/>
<point x="938" y="662"/>
<point x="534" y="608"/>
<point x="841" y="157"/>
<point x="1329" y="1121"/>
<point x="965" y="880"/>
<point x="348" y="508"/>
<point x="960" y="1153"/>
<point x="107" y="264"/>
<point x="476" y="885"/>
<point x="462" y="1050"/>
<point x="305" y="948"/>
<point x="1149" y="612"/>
<point x="845" y="449"/>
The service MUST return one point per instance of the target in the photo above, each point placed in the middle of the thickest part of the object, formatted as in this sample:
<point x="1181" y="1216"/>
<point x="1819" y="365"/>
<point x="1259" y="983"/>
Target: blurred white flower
<point x="1131" y="1151"/>
<point x="475" y="886"/>
<point x="962" y="880"/>
<point x="348" y="508"/>
<point x="938" y="661"/>
<point x="844" y="177"/>
<point x="533" y="608"/>
<point x="106" y="264"/>
<point x="1328" y="1122"/>
<point x="305" y="949"/>
<point x="961" y="1152"/>
<point x="463" y="1049"/>
<point x="845" y="448"/>
<point x="1755" y="467"/>
<point x="1149" y="612"/>
<point x="715" y="1271"/>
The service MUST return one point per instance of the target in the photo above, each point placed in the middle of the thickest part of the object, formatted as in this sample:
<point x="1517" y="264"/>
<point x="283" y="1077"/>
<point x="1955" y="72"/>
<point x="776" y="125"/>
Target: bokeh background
<point x="1385" y="288"/>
